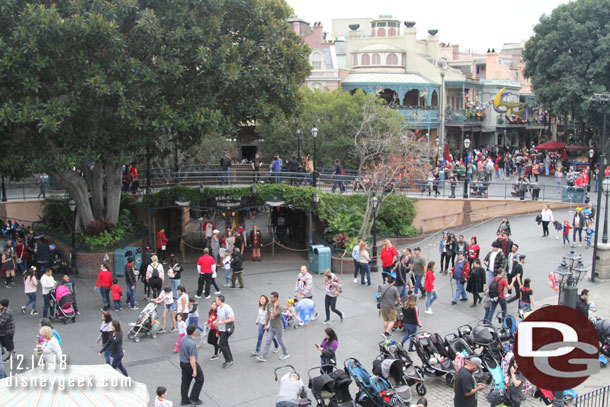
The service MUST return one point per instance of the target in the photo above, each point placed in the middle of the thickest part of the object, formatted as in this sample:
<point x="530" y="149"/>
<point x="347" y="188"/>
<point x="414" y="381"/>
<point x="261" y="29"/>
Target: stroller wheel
<point x="65" y="321"/>
<point x="130" y="335"/>
<point x="154" y="336"/>
<point x="420" y="388"/>
<point x="136" y="339"/>
<point x="73" y="319"/>
<point x="449" y="378"/>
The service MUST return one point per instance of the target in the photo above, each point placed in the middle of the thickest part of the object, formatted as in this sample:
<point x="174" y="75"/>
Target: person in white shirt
<point x="547" y="217"/>
<point x="182" y="303"/>
<point x="160" y="400"/>
<point x="226" y="263"/>
<point x="47" y="282"/>
<point x="167" y="298"/>
<point x="49" y="349"/>
<point x="356" y="258"/>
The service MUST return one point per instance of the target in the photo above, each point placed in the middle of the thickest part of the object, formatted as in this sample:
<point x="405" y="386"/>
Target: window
<point x="316" y="61"/>
<point x="366" y="59"/>
<point x="392" y="32"/>
<point x="376" y="59"/>
<point x="381" y="32"/>
<point x="355" y="60"/>
<point x="392" y="59"/>
<point x="373" y="25"/>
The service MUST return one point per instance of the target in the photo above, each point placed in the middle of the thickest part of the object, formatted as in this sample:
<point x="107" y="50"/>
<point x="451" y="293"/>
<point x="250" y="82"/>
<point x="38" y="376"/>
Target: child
<point x="213" y="331"/>
<point x="116" y="294"/>
<point x="181" y="330"/>
<point x="526" y="300"/>
<point x="30" y="286"/>
<point x="566" y="232"/>
<point x="589" y="230"/>
<point x="558" y="228"/>
<point x="160" y="399"/>
<point x="226" y="263"/>
<point x="193" y="318"/>
<point x="70" y="284"/>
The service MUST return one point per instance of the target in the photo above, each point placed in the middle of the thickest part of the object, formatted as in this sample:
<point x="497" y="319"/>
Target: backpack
<point x="494" y="289"/>
<point x="155" y="273"/>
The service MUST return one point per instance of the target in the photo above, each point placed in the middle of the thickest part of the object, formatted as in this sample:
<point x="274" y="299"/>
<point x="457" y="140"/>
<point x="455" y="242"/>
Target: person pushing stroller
<point x="303" y="289"/>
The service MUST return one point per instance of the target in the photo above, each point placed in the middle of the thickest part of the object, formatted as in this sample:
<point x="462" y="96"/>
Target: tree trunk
<point x="96" y="183"/>
<point x="77" y="188"/>
<point x="113" y="191"/>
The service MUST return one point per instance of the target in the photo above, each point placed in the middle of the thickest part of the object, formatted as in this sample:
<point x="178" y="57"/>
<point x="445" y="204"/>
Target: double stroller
<point x="602" y="327"/>
<point x="434" y="356"/>
<point x="61" y="300"/>
<point x="484" y="340"/>
<point x="373" y="391"/>
<point x="392" y="350"/>
<point x="146" y="323"/>
<point x="287" y="378"/>
<point x="331" y="389"/>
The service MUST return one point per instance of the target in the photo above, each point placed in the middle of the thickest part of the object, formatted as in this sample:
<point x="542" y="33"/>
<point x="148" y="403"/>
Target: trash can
<point x="319" y="259"/>
<point x="573" y="194"/>
<point x="120" y="259"/>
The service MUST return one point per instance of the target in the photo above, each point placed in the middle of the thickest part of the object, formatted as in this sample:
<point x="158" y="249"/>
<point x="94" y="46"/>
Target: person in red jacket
<point x="104" y="282"/>
<point x="205" y="268"/>
<point x="162" y="243"/>
<point x="116" y="294"/>
<point x="431" y="294"/>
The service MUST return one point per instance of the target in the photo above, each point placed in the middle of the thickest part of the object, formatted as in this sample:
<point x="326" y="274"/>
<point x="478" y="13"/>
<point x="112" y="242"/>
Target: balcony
<point x="420" y="116"/>
<point x="457" y="116"/>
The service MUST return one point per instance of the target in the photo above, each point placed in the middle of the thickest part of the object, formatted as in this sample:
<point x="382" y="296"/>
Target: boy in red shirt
<point x="116" y="294"/>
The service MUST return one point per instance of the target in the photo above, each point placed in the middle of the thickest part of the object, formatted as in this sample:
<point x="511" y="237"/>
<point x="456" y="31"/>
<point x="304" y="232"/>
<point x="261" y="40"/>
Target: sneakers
<point x="173" y="330"/>
<point x="355" y="281"/>
<point x="134" y="307"/>
<point x="213" y="357"/>
<point x="284" y="357"/>
<point x="342" y="315"/>
<point x="428" y="311"/>
<point x="77" y="312"/>
<point x="217" y="292"/>
<point x="473" y="305"/>
<point x="276" y="350"/>
<point x="23" y="309"/>
<point x="207" y="298"/>
<point x="261" y="359"/>
<point x="162" y="331"/>
<point x="197" y="296"/>
<point x="463" y="299"/>
<point x="314" y="316"/>
<point x="301" y="323"/>
<point x="254" y="353"/>
<point x="227" y="365"/>
<point x="453" y="302"/>
<point x="34" y="312"/>
<point x="326" y="322"/>
<point x="387" y="334"/>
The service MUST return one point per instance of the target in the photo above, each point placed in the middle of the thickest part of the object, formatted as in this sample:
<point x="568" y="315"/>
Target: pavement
<point x="249" y="383"/>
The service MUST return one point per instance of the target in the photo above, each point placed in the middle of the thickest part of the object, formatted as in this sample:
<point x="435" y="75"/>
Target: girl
<point x="431" y="294"/>
<point x="410" y="320"/>
<point x="193" y="318"/>
<point x="174" y="273"/>
<point x="212" y="330"/>
<point x="105" y="330"/>
<point x="30" y="285"/>
<point x="476" y="281"/>
<point x="526" y="301"/>
<point x="443" y="250"/>
<point x="473" y="251"/>
<point x="261" y="321"/>
<point x="328" y="349"/>
<point x="451" y="251"/>
<point x="169" y="307"/>
<point x="8" y="264"/>
<point x="226" y="263"/>
<point x="181" y="330"/>
<point x="115" y="345"/>
<point x="365" y="259"/>
<point x="333" y="289"/>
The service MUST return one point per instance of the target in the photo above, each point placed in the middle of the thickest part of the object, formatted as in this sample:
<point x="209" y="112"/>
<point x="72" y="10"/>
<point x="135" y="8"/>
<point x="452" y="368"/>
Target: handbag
<point x="230" y="328"/>
<point x="383" y="295"/>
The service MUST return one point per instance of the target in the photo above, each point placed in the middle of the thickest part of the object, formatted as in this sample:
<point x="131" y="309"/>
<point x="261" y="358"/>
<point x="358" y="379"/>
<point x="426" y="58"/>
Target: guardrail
<point x="595" y="398"/>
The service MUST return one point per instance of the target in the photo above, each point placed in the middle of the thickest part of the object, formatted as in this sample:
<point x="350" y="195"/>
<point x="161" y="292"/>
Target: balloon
<point x="305" y="308"/>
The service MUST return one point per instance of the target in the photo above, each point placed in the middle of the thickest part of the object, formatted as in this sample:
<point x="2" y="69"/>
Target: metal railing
<point x="595" y="398"/>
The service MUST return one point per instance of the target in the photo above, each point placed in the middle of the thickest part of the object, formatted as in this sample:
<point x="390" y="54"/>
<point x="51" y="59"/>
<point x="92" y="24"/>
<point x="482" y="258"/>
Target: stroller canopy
<point x="392" y="368"/>
<point x="398" y="352"/>
<point x="322" y="383"/>
<point x="483" y="335"/>
<point x="602" y="327"/>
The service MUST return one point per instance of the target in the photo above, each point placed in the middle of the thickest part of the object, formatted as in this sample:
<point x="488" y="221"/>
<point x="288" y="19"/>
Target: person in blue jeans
<point x="261" y="321"/>
<point x="356" y="258"/>
<point x="501" y="299"/>
<point x="461" y="270"/>
<point x="104" y="336"/>
<point x="338" y="177"/>
<point x="193" y="318"/>
<point x="410" y="320"/>
<point x="419" y="270"/>
<point x="364" y="261"/>
<point x="431" y="294"/>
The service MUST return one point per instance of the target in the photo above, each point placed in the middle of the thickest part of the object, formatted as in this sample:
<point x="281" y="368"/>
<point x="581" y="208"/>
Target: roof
<point x="385" y="78"/>
<point x="296" y="19"/>
<point x="380" y="48"/>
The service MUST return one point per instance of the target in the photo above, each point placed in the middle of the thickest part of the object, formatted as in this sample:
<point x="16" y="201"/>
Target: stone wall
<point x="24" y="212"/>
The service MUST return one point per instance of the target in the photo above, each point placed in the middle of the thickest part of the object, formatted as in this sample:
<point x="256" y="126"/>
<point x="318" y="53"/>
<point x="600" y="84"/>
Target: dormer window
<point x="316" y="61"/>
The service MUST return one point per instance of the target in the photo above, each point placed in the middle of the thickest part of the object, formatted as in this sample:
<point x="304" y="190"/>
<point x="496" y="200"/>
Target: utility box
<point x="573" y="194"/>
<point x="121" y="256"/>
<point x="319" y="259"/>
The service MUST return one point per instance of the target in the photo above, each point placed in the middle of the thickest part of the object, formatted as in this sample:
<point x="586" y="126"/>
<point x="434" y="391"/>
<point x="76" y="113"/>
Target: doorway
<point x="248" y="152"/>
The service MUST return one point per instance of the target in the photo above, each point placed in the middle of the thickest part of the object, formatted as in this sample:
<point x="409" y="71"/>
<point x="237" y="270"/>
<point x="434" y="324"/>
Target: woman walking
<point x="213" y="330"/>
<point x="388" y="257"/>
<point x="30" y="285"/>
<point x="578" y="223"/>
<point x="473" y="250"/>
<point x="451" y="251"/>
<point x="476" y="281"/>
<point x="169" y="306"/>
<point x="547" y="217"/>
<point x="364" y="261"/>
<point x="410" y="320"/>
<point x="49" y="349"/>
<point x="174" y="273"/>
<point x="261" y="321"/>
<point x="8" y="265"/>
<point x="526" y="300"/>
<point x="431" y="294"/>
<point x="333" y="289"/>
<point x="182" y="303"/>
<point x="105" y="331"/>
<point x="328" y="349"/>
<point x="115" y="344"/>
<point x="155" y="275"/>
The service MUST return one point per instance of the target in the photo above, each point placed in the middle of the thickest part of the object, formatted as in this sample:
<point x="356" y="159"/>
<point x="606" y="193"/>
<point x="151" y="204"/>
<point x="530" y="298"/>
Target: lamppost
<point x="299" y="132"/>
<point x="606" y="189"/>
<point x="316" y="201"/>
<point x="72" y="207"/>
<point x="567" y="280"/>
<point x="3" y="189"/>
<point x="591" y="154"/>
<point x="314" y="133"/>
<point x="466" y="146"/>
<point x="374" y="202"/>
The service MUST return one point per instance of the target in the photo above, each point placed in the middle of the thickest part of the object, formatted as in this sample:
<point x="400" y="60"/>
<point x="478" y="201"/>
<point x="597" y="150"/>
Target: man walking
<point x="389" y="298"/>
<point x="338" y="175"/>
<point x="497" y="294"/>
<point x="466" y="388"/>
<point x="7" y="328"/>
<point x="130" y="280"/>
<point x="237" y="268"/>
<point x="494" y="260"/>
<point x="461" y="270"/>
<point x="204" y="268"/>
<point x="225" y="322"/>
<point x="275" y="327"/>
<point x="419" y="270"/>
<point x="356" y="258"/>
<point x="402" y="270"/>
<point x="190" y="368"/>
<point x="516" y="279"/>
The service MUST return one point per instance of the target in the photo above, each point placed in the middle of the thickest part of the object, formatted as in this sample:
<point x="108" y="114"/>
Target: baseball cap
<point x="522" y="256"/>
<point x="416" y="249"/>
<point x="476" y="361"/>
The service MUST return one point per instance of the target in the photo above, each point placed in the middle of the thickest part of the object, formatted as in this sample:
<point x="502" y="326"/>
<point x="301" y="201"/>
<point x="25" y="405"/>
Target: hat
<point x="415" y="249"/>
<point x="515" y="245"/>
<point x="496" y="244"/>
<point x="476" y="361"/>
<point x="522" y="256"/>
<point x="4" y="302"/>
<point x="215" y="231"/>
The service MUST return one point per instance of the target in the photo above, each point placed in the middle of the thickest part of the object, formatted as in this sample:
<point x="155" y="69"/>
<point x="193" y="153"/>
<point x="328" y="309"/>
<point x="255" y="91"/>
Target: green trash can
<point x="573" y="194"/>
<point x="120" y="259"/>
<point x="319" y="259"/>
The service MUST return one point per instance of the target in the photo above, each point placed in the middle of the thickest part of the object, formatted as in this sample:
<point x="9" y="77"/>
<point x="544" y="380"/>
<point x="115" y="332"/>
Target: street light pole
<point x="72" y="207"/>
<point x="599" y="100"/>
<point x="606" y="189"/>
<point x="375" y="202"/>
<point x="316" y="200"/>
<point x="591" y="154"/>
<point x="299" y="144"/>
<point x="3" y="189"/>
<point x="466" y="145"/>
<point x="314" y="133"/>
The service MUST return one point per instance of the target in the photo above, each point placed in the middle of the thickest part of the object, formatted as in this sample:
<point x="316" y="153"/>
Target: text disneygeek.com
<point x="64" y="383"/>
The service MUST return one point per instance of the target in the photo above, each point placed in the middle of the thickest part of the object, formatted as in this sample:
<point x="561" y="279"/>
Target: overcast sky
<point x="472" y="24"/>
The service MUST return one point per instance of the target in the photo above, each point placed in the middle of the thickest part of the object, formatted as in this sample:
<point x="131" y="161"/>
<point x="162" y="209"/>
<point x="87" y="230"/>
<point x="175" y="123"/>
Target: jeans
<point x="444" y="261"/>
<point x="286" y="404"/>
<point x="276" y="177"/>
<point x="117" y="304"/>
<point x="31" y="300"/>
<point x="402" y="290"/>
<point x="105" y="292"/>
<point x="525" y="306"/>
<point x="117" y="363"/>
<point x="330" y="302"/>
<point x="490" y="312"/>
<point x="459" y="290"/>
<point x="545" y="228"/>
<point x="108" y="357"/>
<point x="579" y="230"/>
<point x="419" y="285"/>
<point x="365" y="269"/>
<point x="223" y="343"/>
<point x="226" y="176"/>
<point x="431" y="296"/>
<point x="23" y="266"/>
<point x="339" y="182"/>
<point x="501" y="173"/>
<point x="228" y="276"/>
<point x="174" y="285"/>
<point x="356" y="268"/>
<point x="259" y="341"/>
<point x="194" y="321"/>
<point x="45" y="307"/>
<point x="131" y="296"/>
<point x="411" y="329"/>
<point x="187" y="378"/>
<point x="271" y="336"/>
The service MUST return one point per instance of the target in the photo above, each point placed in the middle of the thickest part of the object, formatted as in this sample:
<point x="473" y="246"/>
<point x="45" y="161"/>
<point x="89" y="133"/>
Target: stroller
<point x="61" y="305"/>
<point x="331" y="389"/>
<point x="434" y="356"/>
<point x="390" y="349"/>
<point x="508" y="327"/>
<point x="602" y="327"/>
<point x="146" y="323"/>
<point x="373" y="391"/>
<point x="304" y="401"/>
<point x="392" y="370"/>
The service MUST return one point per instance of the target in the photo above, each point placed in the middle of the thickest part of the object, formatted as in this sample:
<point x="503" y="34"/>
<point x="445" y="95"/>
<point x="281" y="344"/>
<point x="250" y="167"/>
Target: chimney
<point x="318" y="33"/>
<point x="432" y="47"/>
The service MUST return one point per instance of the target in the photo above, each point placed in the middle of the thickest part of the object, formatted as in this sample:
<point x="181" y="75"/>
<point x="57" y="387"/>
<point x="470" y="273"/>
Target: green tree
<point x="568" y="58"/>
<point x="89" y="84"/>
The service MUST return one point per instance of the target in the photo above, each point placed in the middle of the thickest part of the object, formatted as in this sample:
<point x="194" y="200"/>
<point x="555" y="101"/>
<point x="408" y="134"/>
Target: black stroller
<point x="435" y="358"/>
<point x="373" y="391"/>
<point x="390" y="349"/>
<point x="602" y="326"/>
<point x="392" y="371"/>
<point x="303" y="401"/>
<point x="331" y="389"/>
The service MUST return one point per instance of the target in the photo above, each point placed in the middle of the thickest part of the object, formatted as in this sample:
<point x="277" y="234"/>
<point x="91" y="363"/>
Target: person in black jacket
<point x="237" y="268"/>
<point x="451" y="250"/>
<point x="115" y="344"/>
<point x="143" y="267"/>
<point x="583" y="303"/>
<point x="476" y="281"/>
<point x="130" y="280"/>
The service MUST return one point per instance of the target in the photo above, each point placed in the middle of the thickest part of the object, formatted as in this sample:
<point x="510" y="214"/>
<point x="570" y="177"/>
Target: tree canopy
<point x="568" y="58"/>
<point x="89" y="84"/>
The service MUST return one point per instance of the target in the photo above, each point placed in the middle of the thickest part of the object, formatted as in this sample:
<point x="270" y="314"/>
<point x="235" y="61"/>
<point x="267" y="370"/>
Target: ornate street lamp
<point x="591" y="154"/>
<point x="72" y="207"/>
<point x="466" y="146"/>
<point x="316" y="201"/>
<point x="314" y="134"/>
<point x="374" y="202"/>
